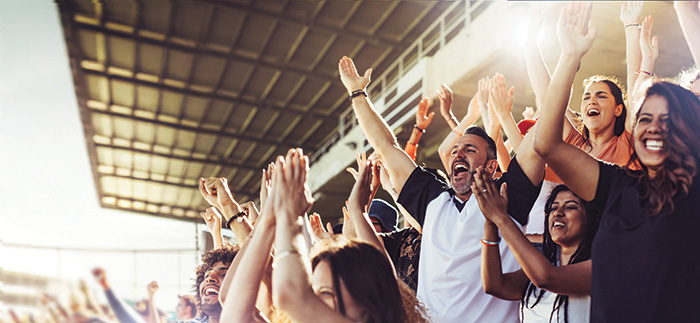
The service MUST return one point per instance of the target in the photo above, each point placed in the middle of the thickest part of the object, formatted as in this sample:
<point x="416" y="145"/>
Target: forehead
<point x="654" y="105"/>
<point x="564" y="196"/>
<point x="472" y="140"/>
<point x="597" y="87"/>
<point x="322" y="275"/>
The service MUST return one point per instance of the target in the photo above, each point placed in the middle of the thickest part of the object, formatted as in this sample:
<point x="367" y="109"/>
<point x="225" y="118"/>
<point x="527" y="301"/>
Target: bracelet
<point x="239" y="217"/>
<point x="646" y="73"/>
<point x="457" y="132"/>
<point x="357" y="93"/>
<point x="415" y="126"/>
<point x="490" y="243"/>
<point x="285" y="254"/>
<point x="633" y="25"/>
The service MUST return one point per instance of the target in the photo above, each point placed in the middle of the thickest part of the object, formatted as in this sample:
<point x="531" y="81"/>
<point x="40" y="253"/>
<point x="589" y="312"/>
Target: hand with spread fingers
<point x="317" y="229"/>
<point x="292" y="198"/>
<point x="574" y="35"/>
<point x="445" y="96"/>
<point x="423" y="118"/>
<point x="631" y="12"/>
<point x="492" y="201"/>
<point x="266" y="184"/>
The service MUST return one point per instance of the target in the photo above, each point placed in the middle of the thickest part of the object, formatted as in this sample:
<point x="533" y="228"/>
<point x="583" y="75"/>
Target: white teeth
<point x="461" y="167"/>
<point x="211" y="291"/>
<point x="593" y="112"/>
<point x="654" y="144"/>
<point x="558" y="224"/>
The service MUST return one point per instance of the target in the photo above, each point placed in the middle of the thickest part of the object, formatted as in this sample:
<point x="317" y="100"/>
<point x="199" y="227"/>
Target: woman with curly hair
<point x="643" y="265"/>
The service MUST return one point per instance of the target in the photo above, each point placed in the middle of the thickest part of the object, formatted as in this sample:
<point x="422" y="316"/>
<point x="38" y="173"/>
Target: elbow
<point x="490" y="289"/>
<point x="542" y="280"/>
<point x="542" y="147"/>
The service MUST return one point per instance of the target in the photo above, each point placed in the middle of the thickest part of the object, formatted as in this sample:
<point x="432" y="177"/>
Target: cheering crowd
<point x="590" y="220"/>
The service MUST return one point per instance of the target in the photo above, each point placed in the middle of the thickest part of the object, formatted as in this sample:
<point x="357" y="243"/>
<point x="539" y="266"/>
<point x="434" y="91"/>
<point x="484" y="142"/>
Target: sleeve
<point x="420" y="188"/>
<point x="392" y="242"/>
<point x="123" y="312"/>
<point x="607" y="172"/>
<point x="522" y="194"/>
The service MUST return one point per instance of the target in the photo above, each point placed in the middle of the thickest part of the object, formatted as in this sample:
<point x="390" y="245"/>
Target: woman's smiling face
<point x="598" y="107"/>
<point x="567" y="220"/>
<point x="650" y="133"/>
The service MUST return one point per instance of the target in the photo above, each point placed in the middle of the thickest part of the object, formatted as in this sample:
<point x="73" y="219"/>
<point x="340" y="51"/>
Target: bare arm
<point x="292" y="290"/>
<point x="217" y="193"/>
<point x="152" y="288"/>
<point x="576" y="168"/>
<point x="568" y="280"/>
<point x="689" y="18"/>
<point x="444" y="93"/>
<point x="536" y="68"/>
<point x="508" y="286"/>
<point x="502" y="103"/>
<point x="630" y="15"/>
<point x="445" y="148"/>
<point x="650" y="51"/>
<point x="243" y="281"/>
<point x="423" y="120"/>
<point x="375" y="128"/>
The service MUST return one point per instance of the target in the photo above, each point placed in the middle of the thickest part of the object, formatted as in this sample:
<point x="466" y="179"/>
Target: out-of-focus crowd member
<point x="122" y="311"/>
<point x="186" y="308"/>
<point x="688" y="13"/>
<point x="423" y="120"/>
<point x="641" y="271"/>
<point x="451" y="246"/>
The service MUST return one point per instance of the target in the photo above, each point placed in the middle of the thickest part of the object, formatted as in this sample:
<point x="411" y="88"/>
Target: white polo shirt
<point x="449" y="272"/>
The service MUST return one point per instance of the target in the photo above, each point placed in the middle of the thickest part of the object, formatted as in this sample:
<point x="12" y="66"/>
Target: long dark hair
<point x="551" y="250"/>
<point x="617" y="92"/>
<point x="675" y="177"/>
<point x="369" y="278"/>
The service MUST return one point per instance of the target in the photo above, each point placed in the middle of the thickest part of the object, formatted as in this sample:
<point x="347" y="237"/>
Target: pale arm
<point x="292" y="290"/>
<point x="444" y="93"/>
<point x="630" y="15"/>
<point x="217" y="193"/>
<point x="152" y="288"/>
<point x="213" y="220"/>
<point x="650" y="52"/>
<point x="689" y="18"/>
<point x="378" y="133"/>
<point x="502" y="103"/>
<point x="577" y="169"/>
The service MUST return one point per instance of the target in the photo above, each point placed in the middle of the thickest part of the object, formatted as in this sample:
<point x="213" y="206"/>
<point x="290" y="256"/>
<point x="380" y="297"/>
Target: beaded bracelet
<point x="238" y="216"/>
<point x="357" y="93"/>
<point x="419" y="129"/>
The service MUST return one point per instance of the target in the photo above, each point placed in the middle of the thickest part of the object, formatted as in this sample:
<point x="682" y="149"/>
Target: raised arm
<point x="650" y="51"/>
<point x="217" y="193"/>
<point x="213" y="220"/>
<point x="250" y="267"/>
<point x="151" y="290"/>
<point x="502" y="103"/>
<point x="568" y="280"/>
<point x="577" y="169"/>
<point x="631" y="15"/>
<point x="536" y="68"/>
<point x="444" y="93"/>
<point x="423" y="120"/>
<point x="292" y="290"/>
<point x="375" y="128"/>
<point x="446" y="146"/>
<point x="689" y="18"/>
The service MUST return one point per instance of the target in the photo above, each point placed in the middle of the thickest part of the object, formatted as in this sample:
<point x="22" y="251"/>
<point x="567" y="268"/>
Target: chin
<point x="211" y="309"/>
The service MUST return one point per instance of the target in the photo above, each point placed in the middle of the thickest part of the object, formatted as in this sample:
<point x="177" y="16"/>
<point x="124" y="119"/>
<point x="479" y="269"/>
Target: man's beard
<point x="464" y="186"/>
<point x="211" y="310"/>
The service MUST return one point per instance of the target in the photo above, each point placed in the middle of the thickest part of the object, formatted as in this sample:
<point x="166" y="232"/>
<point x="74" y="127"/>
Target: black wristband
<point x="238" y="215"/>
<point x="357" y="93"/>
<point x="419" y="129"/>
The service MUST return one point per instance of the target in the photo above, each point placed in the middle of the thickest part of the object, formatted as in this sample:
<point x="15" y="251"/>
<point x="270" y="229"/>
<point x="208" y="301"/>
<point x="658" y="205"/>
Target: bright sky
<point x="48" y="194"/>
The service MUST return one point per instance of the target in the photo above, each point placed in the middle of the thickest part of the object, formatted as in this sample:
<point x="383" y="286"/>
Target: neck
<point x="214" y="318"/>
<point x="463" y="197"/>
<point x="566" y="252"/>
<point x="600" y="139"/>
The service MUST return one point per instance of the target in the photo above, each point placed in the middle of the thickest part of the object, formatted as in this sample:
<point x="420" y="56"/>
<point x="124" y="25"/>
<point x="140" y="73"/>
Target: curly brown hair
<point x="225" y="254"/>
<point x="675" y="177"/>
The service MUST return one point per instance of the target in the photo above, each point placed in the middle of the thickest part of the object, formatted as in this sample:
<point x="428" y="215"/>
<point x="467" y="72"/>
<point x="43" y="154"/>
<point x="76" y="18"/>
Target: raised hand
<point x="423" y="118"/>
<point x="529" y="113"/>
<point x="317" y="229"/>
<point x="482" y="97"/>
<point x="648" y="44"/>
<point x="534" y="24"/>
<point x="493" y="204"/>
<point x="216" y="192"/>
<point x="575" y="38"/>
<point x="349" y="76"/>
<point x="501" y="100"/>
<point x="445" y="95"/>
<point x="360" y="196"/>
<point x="292" y="196"/>
<point x="266" y="184"/>
<point x="213" y="219"/>
<point x="631" y="12"/>
<point x="101" y="277"/>
<point x="152" y="288"/>
<point x="252" y="211"/>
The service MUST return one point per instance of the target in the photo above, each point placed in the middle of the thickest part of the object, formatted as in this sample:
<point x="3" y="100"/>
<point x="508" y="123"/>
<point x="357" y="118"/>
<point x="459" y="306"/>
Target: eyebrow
<point x="467" y="145"/>
<point x="598" y="92"/>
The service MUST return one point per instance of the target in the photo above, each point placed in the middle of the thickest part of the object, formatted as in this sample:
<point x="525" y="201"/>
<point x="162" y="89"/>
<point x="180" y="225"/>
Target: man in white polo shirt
<point x="449" y="281"/>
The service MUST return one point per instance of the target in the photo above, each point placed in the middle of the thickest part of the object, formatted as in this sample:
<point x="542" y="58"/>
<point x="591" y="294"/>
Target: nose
<point x="558" y="212"/>
<point x="655" y="126"/>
